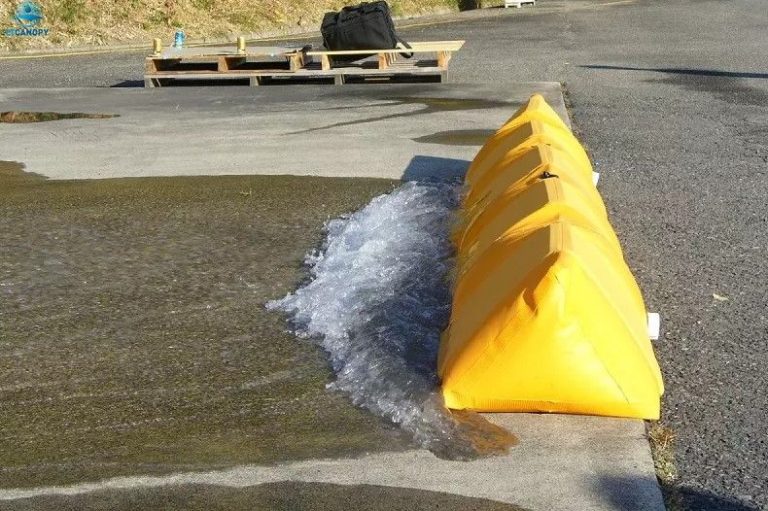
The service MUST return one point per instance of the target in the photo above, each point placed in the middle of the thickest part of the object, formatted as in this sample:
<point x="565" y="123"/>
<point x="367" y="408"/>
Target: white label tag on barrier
<point x="654" y="325"/>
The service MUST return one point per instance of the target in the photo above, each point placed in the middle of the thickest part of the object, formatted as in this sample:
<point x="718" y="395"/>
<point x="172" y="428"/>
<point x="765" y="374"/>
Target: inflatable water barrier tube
<point x="546" y="315"/>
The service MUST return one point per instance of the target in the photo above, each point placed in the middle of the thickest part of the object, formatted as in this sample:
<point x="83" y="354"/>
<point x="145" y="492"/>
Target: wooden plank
<point x="518" y="3"/>
<point x="207" y="75"/>
<point x="325" y="62"/>
<point x="216" y="51"/>
<point x="296" y="61"/>
<point x="443" y="57"/>
<point x="213" y="54"/>
<point x="395" y="68"/>
<point x="416" y="47"/>
<point x="393" y="71"/>
<point x="227" y="63"/>
<point x="302" y="74"/>
<point x="428" y="46"/>
<point x="154" y="65"/>
<point x="383" y="60"/>
<point x="197" y="75"/>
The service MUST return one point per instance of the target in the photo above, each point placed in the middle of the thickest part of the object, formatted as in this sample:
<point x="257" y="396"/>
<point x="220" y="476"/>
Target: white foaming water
<point x="377" y="302"/>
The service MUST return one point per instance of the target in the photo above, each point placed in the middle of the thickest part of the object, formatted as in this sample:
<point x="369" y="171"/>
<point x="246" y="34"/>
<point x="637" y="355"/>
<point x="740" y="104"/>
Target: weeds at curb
<point x="662" y="441"/>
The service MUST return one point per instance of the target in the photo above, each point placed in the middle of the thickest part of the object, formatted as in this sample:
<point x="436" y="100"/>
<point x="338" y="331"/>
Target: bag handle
<point x="404" y="43"/>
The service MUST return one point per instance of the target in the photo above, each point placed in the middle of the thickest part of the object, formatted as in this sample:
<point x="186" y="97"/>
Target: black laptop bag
<point x="367" y="26"/>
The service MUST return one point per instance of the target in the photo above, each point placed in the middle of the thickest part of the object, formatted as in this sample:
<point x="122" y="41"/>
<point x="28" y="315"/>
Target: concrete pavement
<point x="393" y="131"/>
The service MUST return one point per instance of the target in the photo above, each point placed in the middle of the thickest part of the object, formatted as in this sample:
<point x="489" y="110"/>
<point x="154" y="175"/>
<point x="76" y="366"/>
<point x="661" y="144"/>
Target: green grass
<point x="68" y="12"/>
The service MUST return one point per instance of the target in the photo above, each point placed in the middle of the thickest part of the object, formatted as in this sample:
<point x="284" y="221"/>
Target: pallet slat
<point x="416" y="47"/>
<point x="518" y="3"/>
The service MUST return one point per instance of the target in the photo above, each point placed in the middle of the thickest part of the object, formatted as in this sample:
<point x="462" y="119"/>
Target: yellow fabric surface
<point x="546" y="315"/>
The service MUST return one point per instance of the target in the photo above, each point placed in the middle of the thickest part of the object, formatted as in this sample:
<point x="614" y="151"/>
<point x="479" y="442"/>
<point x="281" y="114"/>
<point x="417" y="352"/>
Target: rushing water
<point x="377" y="300"/>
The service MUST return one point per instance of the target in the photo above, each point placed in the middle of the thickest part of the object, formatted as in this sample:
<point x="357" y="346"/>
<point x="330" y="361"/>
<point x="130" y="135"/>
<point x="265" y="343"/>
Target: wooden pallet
<point x="186" y="63"/>
<point x="518" y="3"/>
<point x="257" y="65"/>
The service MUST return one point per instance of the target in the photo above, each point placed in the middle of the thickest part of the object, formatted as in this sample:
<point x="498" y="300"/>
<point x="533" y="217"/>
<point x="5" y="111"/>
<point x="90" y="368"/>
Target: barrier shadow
<point x="435" y="169"/>
<point x="727" y="86"/>
<point x="642" y="494"/>
<point x="680" y="71"/>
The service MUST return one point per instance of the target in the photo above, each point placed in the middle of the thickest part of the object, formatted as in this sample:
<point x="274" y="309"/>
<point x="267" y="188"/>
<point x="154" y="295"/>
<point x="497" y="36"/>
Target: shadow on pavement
<point x="296" y="496"/>
<point x="127" y="83"/>
<point x="429" y="105"/>
<point x="433" y="168"/>
<point x="724" y="85"/>
<point x="629" y="494"/>
<point x="680" y="71"/>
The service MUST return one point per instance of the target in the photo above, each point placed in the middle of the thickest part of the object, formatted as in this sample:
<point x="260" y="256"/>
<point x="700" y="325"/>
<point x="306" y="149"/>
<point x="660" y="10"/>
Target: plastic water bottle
<point x="178" y="39"/>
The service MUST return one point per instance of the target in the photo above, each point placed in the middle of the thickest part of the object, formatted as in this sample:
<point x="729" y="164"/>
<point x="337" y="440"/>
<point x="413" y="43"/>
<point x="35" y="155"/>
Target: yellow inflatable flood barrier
<point x="546" y="315"/>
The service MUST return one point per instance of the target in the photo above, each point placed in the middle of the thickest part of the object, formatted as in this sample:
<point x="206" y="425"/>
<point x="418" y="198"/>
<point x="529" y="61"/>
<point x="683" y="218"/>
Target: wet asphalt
<point x="671" y="99"/>
<point x="133" y="333"/>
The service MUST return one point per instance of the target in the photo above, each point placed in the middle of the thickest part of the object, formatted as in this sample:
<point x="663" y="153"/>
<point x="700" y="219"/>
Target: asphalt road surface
<point x="672" y="100"/>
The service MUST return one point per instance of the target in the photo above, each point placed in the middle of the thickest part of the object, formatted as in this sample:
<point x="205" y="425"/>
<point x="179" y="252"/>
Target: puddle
<point x="377" y="302"/>
<point x="26" y="117"/>
<point x="457" y="137"/>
